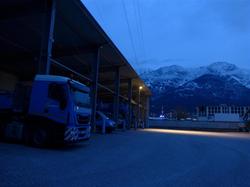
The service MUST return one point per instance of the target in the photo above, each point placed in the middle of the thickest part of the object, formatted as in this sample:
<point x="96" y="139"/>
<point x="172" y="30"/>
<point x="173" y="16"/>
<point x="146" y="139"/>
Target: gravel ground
<point x="151" y="157"/>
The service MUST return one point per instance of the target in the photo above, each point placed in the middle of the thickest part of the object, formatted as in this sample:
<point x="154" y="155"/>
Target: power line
<point x="140" y="26"/>
<point x="99" y="10"/>
<point x="130" y="32"/>
<point x="136" y="15"/>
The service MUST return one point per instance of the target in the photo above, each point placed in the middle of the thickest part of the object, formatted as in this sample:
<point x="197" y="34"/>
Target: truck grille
<point x="83" y="119"/>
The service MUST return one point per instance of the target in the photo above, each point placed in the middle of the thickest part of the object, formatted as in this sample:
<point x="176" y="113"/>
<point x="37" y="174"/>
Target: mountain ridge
<point x="217" y="83"/>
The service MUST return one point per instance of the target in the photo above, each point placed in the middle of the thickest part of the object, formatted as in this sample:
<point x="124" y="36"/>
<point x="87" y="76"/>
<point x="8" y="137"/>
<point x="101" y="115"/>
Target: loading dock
<point x="62" y="38"/>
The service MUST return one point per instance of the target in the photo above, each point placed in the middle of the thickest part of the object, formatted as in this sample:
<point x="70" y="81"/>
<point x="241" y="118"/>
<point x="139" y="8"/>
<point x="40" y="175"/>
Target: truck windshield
<point x="81" y="98"/>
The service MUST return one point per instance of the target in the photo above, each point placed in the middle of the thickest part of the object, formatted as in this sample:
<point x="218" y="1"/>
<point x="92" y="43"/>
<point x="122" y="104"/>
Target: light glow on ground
<point x="200" y="133"/>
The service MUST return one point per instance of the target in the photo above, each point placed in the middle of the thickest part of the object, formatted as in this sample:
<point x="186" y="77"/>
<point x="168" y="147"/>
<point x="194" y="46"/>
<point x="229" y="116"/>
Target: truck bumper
<point x="74" y="134"/>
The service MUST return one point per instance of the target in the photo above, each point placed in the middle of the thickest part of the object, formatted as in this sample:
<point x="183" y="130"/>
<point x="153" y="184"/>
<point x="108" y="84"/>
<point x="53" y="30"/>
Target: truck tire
<point x="40" y="137"/>
<point x="1" y="131"/>
<point x="109" y="130"/>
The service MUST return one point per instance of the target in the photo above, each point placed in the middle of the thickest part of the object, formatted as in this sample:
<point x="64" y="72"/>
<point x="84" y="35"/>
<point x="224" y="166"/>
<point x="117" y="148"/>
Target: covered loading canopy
<point x="77" y="36"/>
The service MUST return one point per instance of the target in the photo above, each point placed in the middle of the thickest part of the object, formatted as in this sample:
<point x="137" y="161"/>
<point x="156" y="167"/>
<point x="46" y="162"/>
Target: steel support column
<point x="147" y="112"/>
<point x="139" y="110"/>
<point x="47" y="38"/>
<point x="117" y="93"/>
<point x="129" y="103"/>
<point x="51" y="36"/>
<point x="94" y="88"/>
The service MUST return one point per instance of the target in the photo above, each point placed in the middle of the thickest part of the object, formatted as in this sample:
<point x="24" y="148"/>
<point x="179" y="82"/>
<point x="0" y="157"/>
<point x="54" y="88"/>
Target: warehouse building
<point x="61" y="37"/>
<point x="222" y="112"/>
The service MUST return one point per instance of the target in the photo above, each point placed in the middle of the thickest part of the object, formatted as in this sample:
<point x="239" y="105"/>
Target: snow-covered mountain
<point x="218" y="83"/>
<point x="175" y="76"/>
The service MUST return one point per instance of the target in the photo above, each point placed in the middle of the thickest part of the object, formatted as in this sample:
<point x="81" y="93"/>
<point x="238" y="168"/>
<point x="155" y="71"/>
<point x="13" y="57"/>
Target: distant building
<point x="222" y="113"/>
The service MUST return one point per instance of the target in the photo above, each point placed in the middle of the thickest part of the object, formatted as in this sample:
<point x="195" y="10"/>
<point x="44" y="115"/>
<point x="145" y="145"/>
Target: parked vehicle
<point x="120" y="121"/>
<point x="243" y="127"/>
<point x="51" y="109"/>
<point x="246" y="119"/>
<point x="102" y="119"/>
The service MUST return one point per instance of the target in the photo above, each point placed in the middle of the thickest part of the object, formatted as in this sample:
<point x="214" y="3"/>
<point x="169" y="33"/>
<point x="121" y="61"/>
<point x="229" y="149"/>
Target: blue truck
<point x="49" y="110"/>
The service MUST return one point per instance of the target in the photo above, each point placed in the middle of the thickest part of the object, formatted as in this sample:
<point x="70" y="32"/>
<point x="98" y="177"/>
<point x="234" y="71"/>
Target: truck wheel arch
<point x="42" y="125"/>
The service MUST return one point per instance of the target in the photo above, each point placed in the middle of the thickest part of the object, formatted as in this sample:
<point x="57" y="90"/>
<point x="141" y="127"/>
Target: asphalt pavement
<point x="152" y="157"/>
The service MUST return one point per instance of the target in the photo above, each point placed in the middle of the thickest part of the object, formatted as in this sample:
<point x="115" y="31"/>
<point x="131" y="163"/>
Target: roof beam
<point x="104" y="69"/>
<point x="17" y="57"/>
<point x="57" y="53"/>
<point x="10" y="10"/>
<point x="111" y="82"/>
<point x="73" y="50"/>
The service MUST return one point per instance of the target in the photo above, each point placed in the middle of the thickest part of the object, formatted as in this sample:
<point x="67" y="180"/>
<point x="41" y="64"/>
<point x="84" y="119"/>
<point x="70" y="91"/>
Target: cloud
<point x="233" y="14"/>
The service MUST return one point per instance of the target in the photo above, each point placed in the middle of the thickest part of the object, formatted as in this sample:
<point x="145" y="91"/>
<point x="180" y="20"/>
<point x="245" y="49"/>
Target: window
<point x="56" y="92"/>
<point x="81" y="98"/>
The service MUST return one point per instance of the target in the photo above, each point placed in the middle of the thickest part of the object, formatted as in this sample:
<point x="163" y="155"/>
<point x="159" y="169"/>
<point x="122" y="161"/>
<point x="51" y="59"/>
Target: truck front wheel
<point x="40" y="137"/>
<point x="1" y="131"/>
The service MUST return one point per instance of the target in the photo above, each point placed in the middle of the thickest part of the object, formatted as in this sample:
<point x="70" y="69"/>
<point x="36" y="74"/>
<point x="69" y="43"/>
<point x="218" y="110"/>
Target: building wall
<point x="227" y="117"/>
<point x="7" y="81"/>
<point x="222" y="112"/>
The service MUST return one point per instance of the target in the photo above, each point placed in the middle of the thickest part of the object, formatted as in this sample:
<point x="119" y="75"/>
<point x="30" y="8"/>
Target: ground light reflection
<point x="200" y="133"/>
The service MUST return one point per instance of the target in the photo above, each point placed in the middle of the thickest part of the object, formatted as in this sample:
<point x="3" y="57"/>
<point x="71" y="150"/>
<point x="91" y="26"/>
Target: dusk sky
<point x="191" y="33"/>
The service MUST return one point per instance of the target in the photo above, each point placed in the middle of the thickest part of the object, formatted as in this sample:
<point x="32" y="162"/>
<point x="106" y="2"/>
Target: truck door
<point x="57" y="101"/>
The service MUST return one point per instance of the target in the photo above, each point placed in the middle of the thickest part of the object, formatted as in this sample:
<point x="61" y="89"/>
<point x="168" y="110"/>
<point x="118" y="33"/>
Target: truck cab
<point x="58" y="110"/>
